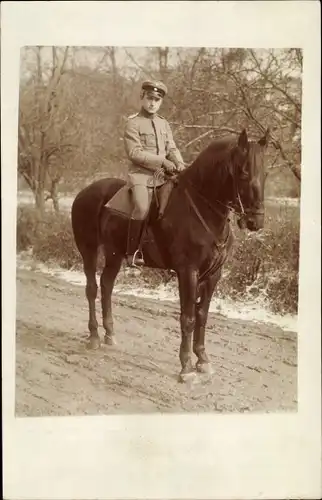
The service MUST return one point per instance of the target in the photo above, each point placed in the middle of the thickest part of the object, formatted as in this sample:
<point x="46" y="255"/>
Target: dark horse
<point x="193" y="238"/>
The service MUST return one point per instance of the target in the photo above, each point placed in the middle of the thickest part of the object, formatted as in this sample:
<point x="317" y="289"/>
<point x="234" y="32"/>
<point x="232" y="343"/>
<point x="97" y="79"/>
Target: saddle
<point x="122" y="203"/>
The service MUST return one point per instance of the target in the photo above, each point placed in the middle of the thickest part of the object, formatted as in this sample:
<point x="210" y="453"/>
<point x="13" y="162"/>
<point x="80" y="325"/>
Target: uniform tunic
<point x="148" y="141"/>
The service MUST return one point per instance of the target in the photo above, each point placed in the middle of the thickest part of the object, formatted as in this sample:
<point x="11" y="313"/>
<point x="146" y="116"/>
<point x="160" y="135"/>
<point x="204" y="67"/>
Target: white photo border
<point x="163" y="456"/>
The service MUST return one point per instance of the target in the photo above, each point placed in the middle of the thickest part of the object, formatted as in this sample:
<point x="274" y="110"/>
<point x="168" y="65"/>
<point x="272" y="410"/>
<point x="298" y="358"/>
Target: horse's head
<point x="249" y="179"/>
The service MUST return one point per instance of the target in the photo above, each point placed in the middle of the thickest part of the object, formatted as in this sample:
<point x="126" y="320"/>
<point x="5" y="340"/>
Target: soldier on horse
<point x="152" y="152"/>
<point x="193" y="238"/>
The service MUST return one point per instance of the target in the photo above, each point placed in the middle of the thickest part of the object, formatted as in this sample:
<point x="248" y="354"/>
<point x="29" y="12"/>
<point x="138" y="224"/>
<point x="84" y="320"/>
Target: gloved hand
<point x="168" y="167"/>
<point x="180" y="167"/>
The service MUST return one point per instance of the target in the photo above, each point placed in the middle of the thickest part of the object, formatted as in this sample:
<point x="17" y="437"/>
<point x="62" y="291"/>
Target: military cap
<point x="158" y="89"/>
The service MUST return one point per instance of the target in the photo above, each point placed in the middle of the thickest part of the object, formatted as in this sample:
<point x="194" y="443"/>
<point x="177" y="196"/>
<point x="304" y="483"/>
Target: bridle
<point x="241" y="212"/>
<point x="235" y="206"/>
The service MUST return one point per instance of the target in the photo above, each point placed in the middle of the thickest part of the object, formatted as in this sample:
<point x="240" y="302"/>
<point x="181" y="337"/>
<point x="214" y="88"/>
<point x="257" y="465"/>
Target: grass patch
<point x="266" y="264"/>
<point x="51" y="237"/>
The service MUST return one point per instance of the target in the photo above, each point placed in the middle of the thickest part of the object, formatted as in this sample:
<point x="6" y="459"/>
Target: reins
<point x="157" y="176"/>
<point x="217" y="263"/>
<point x="194" y="206"/>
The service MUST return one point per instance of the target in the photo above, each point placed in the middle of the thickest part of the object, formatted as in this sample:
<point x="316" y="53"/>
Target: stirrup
<point x="135" y="256"/>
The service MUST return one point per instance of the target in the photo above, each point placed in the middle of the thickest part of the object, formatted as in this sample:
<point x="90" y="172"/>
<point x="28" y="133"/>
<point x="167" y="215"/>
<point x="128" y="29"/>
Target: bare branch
<point x="273" y="83"/>
<point x="206" y="91"/>
<point x="199" y="55"/>
<point x="210" y="127"/>
<point x="196" y="139"/>
<point x="148" y="73"/>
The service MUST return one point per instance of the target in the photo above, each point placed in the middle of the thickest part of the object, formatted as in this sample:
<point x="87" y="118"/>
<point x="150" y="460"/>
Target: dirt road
<point x="255" y="365"/>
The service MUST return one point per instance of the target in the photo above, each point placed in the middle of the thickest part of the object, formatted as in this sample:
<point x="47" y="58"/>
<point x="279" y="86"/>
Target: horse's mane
<point x="213" y="159"/>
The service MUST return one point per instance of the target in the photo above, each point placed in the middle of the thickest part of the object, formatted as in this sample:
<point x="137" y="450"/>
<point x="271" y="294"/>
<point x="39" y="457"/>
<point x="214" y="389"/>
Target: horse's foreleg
<point x="108" y="276"/>
<point x="202" y="308"/>
<point x="91" y="293"/>
<point x="188" y="280"/>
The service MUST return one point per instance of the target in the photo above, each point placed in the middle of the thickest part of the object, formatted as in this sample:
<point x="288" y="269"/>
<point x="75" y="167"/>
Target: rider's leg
<point x="141" y="206"/>
<point x="140" y="197"/>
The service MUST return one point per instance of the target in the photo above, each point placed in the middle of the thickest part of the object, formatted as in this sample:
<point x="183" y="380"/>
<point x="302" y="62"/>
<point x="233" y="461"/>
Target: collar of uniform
<point x="144" y="113"/>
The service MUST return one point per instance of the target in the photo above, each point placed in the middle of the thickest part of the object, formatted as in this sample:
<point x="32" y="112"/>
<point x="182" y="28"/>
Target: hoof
<point x="110" y="340"/>
<point x="93" y="343"/>
<point x="204" y="368"/>
<point x="189" y="377"/>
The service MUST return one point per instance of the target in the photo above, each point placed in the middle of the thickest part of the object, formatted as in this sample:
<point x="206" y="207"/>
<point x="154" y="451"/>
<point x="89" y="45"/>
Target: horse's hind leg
<point x="89" y="263"/>
<point x="111" y="269"/>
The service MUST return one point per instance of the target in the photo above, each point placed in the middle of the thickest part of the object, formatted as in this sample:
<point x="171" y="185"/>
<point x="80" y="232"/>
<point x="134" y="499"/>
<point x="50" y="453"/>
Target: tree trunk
<point x="114" y="67"/>
<point x="54" y="196"/>
<point x="40" y="201"/>
<point x="163" y="53"/>
<point x="39" y="64"/>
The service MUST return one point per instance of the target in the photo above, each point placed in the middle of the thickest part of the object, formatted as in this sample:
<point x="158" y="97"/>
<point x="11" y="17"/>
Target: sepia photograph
<point x="161" y="326"/>
<point x="158" y="229"/>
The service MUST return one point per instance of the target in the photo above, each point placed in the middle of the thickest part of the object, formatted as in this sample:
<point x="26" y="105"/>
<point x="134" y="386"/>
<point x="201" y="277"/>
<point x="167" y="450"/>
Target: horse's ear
<point x="243" y="140"/>
<point x="264" y="140"/>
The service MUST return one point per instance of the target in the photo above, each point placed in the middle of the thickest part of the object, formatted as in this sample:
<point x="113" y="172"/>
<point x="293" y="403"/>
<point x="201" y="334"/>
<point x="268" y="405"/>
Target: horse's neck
<point x="215" y="193"/>
<point x="212" y="203"/>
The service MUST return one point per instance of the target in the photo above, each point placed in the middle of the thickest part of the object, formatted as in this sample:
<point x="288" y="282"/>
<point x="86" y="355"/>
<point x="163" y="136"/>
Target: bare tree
<point x="74" y="102"/>
<point x="268" y="92"/>
<point x="41" y="127"/>
<point x="217" y="90"/>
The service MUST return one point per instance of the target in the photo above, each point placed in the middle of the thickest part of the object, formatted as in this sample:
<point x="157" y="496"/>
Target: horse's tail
<point x="86" y="210"/>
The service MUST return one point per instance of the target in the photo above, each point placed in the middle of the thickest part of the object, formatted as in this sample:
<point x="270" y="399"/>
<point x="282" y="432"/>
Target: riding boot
<point x="134" y="254"/>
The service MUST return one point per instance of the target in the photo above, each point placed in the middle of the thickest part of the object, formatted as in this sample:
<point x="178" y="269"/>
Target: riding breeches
<point x="141" y="199"/>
